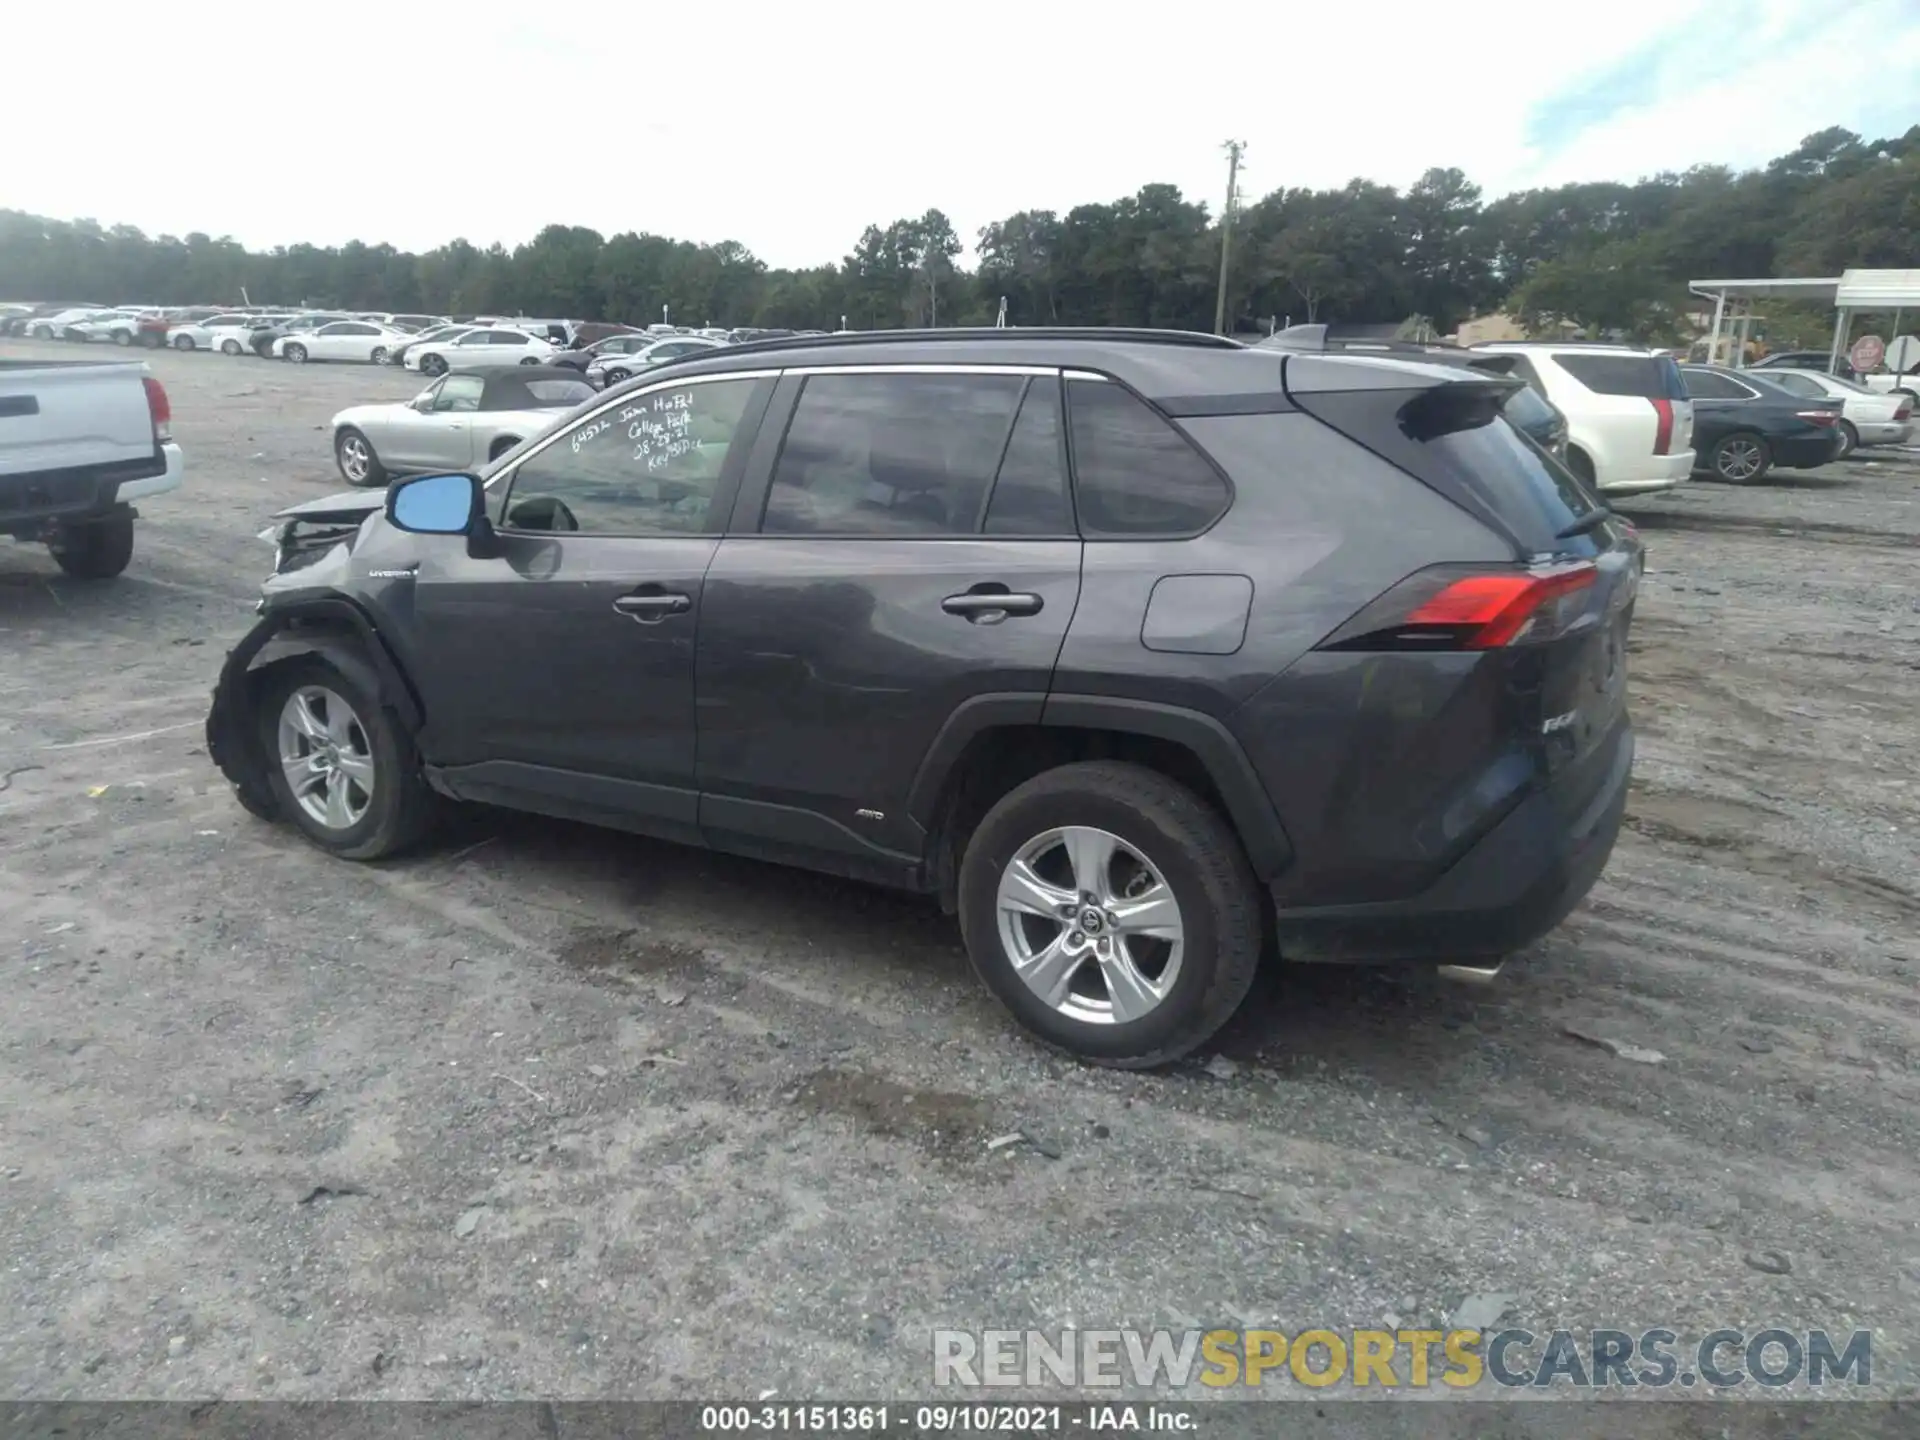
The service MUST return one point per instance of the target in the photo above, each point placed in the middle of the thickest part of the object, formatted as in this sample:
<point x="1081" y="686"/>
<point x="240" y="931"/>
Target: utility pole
<point x="1235" y="149"/>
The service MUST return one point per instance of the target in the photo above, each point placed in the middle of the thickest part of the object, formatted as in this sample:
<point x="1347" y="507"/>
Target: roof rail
<point x="1566" y="344"/>
<point x="1323" y="337"/>
<point x="854" y="338"/>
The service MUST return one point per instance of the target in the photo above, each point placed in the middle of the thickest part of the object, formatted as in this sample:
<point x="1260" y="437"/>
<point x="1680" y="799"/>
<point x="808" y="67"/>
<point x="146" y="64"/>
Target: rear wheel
<point x="341" y="768"/>
<point x="1112" y="911"/>
<point x="530" y="360"/>
<point x="379" y="355"/>
<point x="615" y="375"/>
<point x="123" y="337"/>
<point x="1741" y="459"/>
<point x="354" y="453"/>
<point x="1849" y="440"/>
<point x="501" y="446"/>
<point x="96" y="550"/>
<point x="183" y="342"/>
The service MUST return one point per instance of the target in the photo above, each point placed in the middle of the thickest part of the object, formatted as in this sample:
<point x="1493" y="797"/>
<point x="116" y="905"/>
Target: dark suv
<point x="1139" y="650"/>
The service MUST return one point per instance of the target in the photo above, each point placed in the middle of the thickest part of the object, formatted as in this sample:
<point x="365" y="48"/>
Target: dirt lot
<point x="548" y="1111"/>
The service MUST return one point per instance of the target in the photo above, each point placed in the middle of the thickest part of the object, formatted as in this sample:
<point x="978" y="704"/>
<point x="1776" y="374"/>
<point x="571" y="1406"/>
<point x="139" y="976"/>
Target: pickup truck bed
<point x="79" y="441"/>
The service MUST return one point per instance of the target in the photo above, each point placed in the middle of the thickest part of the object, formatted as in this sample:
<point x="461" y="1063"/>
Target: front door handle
<point x="990" y="604"/>
<point x="651" y="606"/>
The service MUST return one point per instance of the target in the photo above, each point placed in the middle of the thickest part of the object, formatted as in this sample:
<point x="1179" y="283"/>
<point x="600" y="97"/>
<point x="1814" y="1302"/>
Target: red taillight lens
<point x="1817" y="417"/>
<point x="159" y="409"/>
<point x="1447" y="608"/>
<point x="1905" y="412"/>
<point x="1663" y="430"/>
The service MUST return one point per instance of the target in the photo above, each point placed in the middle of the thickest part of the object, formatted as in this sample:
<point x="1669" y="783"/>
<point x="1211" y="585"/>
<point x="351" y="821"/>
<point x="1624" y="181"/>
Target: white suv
<point x="1629" y="421"/>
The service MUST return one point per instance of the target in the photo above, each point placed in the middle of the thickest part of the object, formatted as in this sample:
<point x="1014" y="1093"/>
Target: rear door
<point x="1642" y="398"/>
<point x="903" y="549"/>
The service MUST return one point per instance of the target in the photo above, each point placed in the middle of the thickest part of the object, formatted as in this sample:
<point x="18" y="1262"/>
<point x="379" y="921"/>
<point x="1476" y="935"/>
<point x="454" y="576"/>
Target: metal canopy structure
<point x="1849" y="294"/>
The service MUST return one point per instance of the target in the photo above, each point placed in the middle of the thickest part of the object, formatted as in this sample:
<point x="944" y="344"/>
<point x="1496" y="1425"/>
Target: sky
<point x="790" y="127"/>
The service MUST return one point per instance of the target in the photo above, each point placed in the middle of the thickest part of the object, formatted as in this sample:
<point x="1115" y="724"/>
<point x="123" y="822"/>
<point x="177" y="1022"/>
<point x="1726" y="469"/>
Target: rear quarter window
<point x="1133" y="473"/>
<point x="1650" y="377"/>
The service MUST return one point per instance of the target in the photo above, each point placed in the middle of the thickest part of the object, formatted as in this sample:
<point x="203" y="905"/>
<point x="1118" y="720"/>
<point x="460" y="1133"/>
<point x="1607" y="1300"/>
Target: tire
<point x="1741" y="458"/>
<point x="97" y="550"/>
<point x="41" y="332"/>
<point x="183" y="342"/>
<point x="433" y="365"/>
<point x="359" y="463"/>
<point x="123" y="337"/>
<point x="531" y="360"/>
<point x="383" y="803"/>
<point x="231" y="347"/>
<point x="1849" y="440"/>
<point x="501" y="446"/>
<point x="1189" y="852"/>
<point x="295" y="353"/>
<point x="379" y="355"/>
<point x="615" y="376"/>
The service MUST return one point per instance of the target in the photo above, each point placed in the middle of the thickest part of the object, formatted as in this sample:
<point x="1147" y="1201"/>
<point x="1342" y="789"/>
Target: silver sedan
<point x="460" y="422"/>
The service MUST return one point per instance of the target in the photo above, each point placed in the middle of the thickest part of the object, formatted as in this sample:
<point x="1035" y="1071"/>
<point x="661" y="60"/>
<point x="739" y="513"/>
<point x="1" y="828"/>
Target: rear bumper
<point x="1516" y="884"/>
<point x="1890" y="432"/>
<point x="1656" y="472"/>
<point x="1804" y="452"/>
<point x="30" y="503"/>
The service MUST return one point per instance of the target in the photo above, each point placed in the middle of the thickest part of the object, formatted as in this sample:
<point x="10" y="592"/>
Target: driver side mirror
<point x="422" y="403"/>
<point x="443" y="505"/>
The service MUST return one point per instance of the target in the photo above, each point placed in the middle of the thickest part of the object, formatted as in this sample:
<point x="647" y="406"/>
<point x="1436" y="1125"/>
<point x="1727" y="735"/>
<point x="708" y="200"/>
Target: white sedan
<point x="225" y="333"/>
<point x="359" y="340"/>
<point x="1866" y="416"/>
<point x="609" y="369"/>
<point x="479" y="348"/>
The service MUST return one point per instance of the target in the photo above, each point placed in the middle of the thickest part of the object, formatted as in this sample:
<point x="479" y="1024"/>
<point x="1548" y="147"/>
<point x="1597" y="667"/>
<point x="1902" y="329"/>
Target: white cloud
<point x="790" y="127"/>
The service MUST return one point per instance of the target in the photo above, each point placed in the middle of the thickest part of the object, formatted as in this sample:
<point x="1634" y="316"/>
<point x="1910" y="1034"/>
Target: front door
<point x="558" y="674"/>
<point x="440" y="437"/>
<point x="916" y="554"/>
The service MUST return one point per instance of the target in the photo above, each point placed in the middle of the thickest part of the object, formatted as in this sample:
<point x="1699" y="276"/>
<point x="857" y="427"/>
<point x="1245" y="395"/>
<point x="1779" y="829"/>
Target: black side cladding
<point x="1454" y="439"/>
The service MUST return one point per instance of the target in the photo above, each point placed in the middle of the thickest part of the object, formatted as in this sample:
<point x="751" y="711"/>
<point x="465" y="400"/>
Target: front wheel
<point x="1741" y="459"/>
<point x="183" y="342"/>
<point x="296" y="353"/>
<point x="355" y="456"/>
<point x="1113" y="911"/>
<point x="341" y="768"/>
<point x="229" y="347"/>
<point x="97" y="550"/>
<point x="435" y="365"/>
<point x="1849" y="440"/>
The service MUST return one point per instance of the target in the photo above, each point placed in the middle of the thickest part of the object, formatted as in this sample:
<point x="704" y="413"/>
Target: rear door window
<point x="1030" y="492"/>
<point x="1706" y="385"/>
<point x="1133" y="473"/>
<point x="891" y="455"/>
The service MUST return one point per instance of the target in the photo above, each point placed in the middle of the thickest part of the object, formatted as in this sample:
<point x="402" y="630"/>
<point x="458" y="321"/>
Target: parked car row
<point x="1632" y="421"/>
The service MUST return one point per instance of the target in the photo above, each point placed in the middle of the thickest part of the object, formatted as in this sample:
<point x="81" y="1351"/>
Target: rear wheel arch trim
<point x="1249" y="810"/>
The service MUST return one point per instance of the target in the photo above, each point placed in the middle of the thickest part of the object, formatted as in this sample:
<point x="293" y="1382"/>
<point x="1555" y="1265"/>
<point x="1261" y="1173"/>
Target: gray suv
<point x="1144" y="652"/>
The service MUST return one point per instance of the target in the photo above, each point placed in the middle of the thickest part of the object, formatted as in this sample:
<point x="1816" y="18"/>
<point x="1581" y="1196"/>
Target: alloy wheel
<point x="1090" y="924"/>
<point x="355" y="459"/>
<point x="1739" y="458"/>
<point x="326" y="757"/>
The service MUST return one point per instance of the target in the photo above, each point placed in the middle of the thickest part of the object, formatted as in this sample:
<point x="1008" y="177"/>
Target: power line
<point x="1235" y="149"/>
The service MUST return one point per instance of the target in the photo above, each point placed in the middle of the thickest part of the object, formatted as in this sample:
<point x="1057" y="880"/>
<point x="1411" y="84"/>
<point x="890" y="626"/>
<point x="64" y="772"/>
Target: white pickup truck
<point x="79" y="442"/>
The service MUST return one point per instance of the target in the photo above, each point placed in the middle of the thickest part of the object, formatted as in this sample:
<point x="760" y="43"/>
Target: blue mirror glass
<point x="433" y="504"/>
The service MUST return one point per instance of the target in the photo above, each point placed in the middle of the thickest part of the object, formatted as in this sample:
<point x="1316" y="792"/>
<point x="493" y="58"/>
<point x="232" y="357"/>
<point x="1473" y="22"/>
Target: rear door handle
<point x="653" y="606"/>
<point x="989" y="607"/>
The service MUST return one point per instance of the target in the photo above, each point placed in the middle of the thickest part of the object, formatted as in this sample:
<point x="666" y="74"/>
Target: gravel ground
<point x="546" y="1111"/>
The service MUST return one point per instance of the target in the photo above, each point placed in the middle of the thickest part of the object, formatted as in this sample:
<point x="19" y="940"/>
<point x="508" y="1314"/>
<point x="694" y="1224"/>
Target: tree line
<point x="1608" y="257"/>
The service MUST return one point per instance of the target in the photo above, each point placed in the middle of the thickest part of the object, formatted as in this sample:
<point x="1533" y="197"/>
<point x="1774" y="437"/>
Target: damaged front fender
<point x="329" y="626"/>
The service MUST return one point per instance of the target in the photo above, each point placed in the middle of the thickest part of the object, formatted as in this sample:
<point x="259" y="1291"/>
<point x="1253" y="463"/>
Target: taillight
<point x="1905" y="412"/>
<point x="1454" y="607"/>
<point x="1663" y="430"/>
<point x="1817" y="417"/>
<point x="159" y="409"/>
